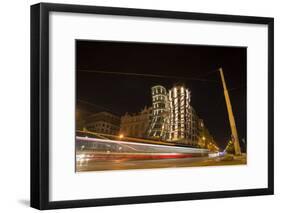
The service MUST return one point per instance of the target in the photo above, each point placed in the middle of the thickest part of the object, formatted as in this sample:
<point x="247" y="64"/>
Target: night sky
<point x="117" y="77"/>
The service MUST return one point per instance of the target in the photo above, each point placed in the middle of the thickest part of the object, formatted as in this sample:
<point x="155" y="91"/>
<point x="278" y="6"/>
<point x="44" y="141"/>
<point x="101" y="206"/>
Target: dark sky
<point x="122" y="91"/>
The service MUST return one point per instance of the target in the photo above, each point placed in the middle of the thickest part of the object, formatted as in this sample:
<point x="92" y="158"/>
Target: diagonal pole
<point x="234" y="133"/>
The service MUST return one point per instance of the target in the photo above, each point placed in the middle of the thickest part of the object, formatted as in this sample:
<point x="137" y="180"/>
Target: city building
<point x="202" y="134"/>
<point x="173" y="118"/>
<point x="103" y="122"/>
<point x="136" y="125"/>
<point x="194" y="132"/>
<point x="205" y="139"/>
<point x="179" y="122"/>
<point x="160" y="112"/>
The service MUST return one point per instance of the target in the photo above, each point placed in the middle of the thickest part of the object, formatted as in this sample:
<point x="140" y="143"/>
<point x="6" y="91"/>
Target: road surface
<point x="123" y="164"/>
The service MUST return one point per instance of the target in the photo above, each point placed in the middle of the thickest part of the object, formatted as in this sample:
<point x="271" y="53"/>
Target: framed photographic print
<point x="136" y="106"/>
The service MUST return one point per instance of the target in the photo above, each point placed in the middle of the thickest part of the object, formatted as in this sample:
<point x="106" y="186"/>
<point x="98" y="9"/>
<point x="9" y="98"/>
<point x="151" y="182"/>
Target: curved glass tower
<point x="157" y="128"/>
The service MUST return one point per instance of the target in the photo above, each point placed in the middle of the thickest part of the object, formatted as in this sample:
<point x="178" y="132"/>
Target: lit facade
<point x="179" y="113"/>
<point x="103" y="122"/>
<point x="205" y="139"/>
<point x="159" y="119"/>
<point x="136" y="125"/>
<point x="173" y="118"/>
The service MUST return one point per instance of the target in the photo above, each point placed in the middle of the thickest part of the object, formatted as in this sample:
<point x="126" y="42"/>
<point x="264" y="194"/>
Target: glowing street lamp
<point x="121" y="136"/>
<point x="204" y="139"/>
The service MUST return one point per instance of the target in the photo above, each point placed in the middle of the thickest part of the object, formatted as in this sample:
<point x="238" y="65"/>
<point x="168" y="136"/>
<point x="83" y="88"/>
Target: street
<point x="122" y="164"/>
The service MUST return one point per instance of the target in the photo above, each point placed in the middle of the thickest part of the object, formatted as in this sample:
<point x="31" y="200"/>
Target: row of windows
<point x="103" y="130"/>
<point x="159" y="98"/>
<point x="158" y="112"/>
<point x="157" y="90"/>
<point x="159" y="105"/>
<point x="131" y="128"/>
<point x="103" y="126"/>
<point x="135" y="119"/>
<point x="105" y="117"/>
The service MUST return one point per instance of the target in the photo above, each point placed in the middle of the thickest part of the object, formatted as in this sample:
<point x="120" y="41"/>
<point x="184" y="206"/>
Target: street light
<point x="121" y="136"/>
<point x="205" y="144"/>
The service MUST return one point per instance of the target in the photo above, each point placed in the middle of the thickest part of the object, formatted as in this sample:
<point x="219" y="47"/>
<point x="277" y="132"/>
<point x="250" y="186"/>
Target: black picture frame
<point x="40" y="105"/>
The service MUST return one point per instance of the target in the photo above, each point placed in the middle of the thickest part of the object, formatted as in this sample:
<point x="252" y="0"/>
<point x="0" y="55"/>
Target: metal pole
<point x="234" y="133"/>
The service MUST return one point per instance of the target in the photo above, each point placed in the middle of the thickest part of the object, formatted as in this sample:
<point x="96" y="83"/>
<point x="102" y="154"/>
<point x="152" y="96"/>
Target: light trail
<point x="163" y="148"/>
